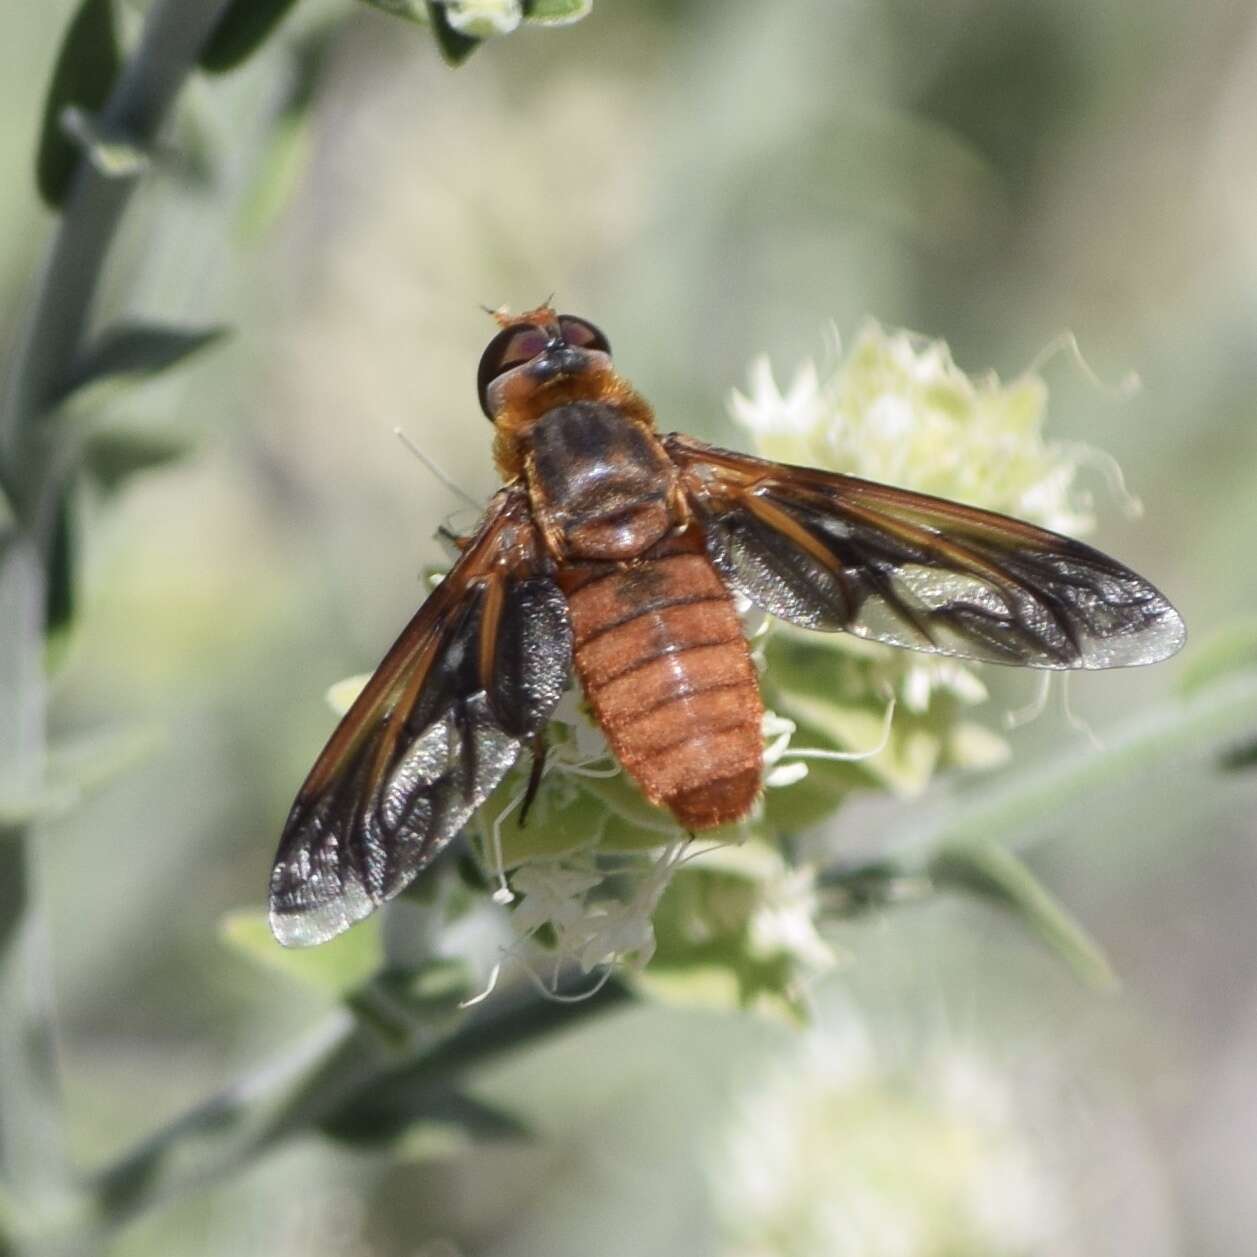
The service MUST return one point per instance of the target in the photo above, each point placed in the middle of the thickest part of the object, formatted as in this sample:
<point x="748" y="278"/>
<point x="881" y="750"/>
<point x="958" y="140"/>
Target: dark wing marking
<point x="478" y="670"/>
<point x="832" y="552"/>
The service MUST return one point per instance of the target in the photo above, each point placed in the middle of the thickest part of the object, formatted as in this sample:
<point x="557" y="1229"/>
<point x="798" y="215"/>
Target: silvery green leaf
<point x="412" y="10"/>
<point x="83" y="76"/>
<point x="455" y="46"/>
<point x="60" y="599"/>
<point x="1232" y="648"/>
<point x="337" y="968"/>
<point x="993" y="872"/>
<point x="111" y="456"/>
<point x="557" y="12"/>
<point x="241" y="31"/>
<point x="135" y="351"/>
<point x="73" y="769"/>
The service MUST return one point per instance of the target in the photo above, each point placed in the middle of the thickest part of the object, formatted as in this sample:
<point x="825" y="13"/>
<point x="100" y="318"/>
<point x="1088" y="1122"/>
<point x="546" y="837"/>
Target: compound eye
<point x="510" y="348"/>
<point x="581" y="334"/>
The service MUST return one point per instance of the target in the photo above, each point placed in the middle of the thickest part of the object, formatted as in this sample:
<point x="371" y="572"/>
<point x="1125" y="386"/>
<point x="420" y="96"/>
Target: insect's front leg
<point x="460" y="542"/>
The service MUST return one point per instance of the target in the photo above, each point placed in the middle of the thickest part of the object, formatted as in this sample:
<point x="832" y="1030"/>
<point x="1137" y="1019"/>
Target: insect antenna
<point x="435" y="470"/>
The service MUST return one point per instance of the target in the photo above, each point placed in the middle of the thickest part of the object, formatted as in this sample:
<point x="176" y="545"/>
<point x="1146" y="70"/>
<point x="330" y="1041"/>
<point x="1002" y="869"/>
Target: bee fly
<point x="617" y="550"/>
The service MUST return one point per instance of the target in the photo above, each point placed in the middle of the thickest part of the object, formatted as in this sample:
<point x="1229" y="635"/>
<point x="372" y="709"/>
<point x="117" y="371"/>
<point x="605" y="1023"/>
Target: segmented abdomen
<point x="660" y="652"/>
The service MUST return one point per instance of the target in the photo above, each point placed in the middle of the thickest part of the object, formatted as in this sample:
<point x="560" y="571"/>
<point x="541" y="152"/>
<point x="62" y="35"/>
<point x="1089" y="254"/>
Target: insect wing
<point x="479" y="669"/>
<point x="827" y="551"/>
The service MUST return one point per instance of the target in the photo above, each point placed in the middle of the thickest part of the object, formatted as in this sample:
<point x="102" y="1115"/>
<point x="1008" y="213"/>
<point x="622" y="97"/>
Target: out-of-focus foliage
<point x="84" y="72"/>
<point x="709" y="182"/>
<point x="459" y="27"/>
<point x="241" y="31"/>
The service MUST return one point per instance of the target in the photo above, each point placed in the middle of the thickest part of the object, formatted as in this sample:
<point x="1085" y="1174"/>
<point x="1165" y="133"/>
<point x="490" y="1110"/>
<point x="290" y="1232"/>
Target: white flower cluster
<point x="599" y="915"/>
<point x="839" y="1153"/>
<point x="897" y="409"/>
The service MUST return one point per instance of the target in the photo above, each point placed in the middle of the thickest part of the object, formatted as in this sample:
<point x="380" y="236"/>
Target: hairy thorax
<point x="602" y="487"/>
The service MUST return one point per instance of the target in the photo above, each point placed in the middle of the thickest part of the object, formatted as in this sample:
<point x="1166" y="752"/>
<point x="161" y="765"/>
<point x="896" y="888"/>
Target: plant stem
<point x="305" y="1087"/>
<point x="1018" y="811"/>
<point x="33" y="471"/>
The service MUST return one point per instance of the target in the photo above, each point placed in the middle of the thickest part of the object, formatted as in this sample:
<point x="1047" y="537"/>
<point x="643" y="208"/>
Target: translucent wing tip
<point x="306" y="922"/>
<point x="306" y="929"/>
<point x="1161" y="634"/>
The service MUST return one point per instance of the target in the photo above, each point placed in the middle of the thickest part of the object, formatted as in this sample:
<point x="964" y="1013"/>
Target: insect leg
<point x="534" y="777"/>
<point x="448" y="534"/>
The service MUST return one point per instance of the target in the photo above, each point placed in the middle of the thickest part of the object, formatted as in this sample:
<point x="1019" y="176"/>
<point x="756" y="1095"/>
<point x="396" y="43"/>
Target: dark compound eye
<point x="510" y="348"/>
<point x="581" y="334"/>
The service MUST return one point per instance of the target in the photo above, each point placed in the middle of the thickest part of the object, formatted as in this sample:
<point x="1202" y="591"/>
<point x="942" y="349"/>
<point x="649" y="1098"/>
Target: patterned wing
<point x="476" y="672"/>
<point x="833" y="552"/>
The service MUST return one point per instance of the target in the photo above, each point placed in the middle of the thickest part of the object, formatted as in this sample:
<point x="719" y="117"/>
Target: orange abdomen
<point x="660" y="652"/>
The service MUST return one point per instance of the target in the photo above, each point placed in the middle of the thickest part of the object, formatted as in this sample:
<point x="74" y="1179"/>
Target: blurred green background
<point x="707" y="181"/>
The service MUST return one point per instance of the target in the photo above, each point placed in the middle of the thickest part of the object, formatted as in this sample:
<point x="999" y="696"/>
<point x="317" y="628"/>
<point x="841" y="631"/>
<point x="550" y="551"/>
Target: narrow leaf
<point x="112" y="456"/>
<point x="133" y="351"/>
<point x="556" y="12"/>
<point x="243" y="29"/>
<point x="1016" y="809"/>
<point x="85" y="71"/>
<point x="7" y="516"/>
<point x="336" y="968"/>
<point x="73" y="769"/>
<point x="1241" y="758"/>
<point x="60" y="604"/>
<point x="454" y="45"/>
<point x="9" y="1223"/>
<point x="411" y="10"/>
<point x="991" y="871"/>
<point x="279" y="173"/>
<point x="1232" y="648"/>
<point x="280" y="167"/>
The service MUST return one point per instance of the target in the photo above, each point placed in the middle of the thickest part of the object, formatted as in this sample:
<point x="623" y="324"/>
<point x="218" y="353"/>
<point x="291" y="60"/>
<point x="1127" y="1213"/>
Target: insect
<point x="616" y="551"/>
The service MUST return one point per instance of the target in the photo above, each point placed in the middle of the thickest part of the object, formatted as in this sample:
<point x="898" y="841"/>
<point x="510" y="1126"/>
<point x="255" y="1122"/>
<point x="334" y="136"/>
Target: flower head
<point x="897" y="409"/>
<point x="842" y="1151"/>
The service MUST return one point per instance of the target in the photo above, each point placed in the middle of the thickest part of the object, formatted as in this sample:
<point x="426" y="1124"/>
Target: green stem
<point x="33" y="1170"/>
<point x="1023" y="808"/>
<point x="305" y="1087"/>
